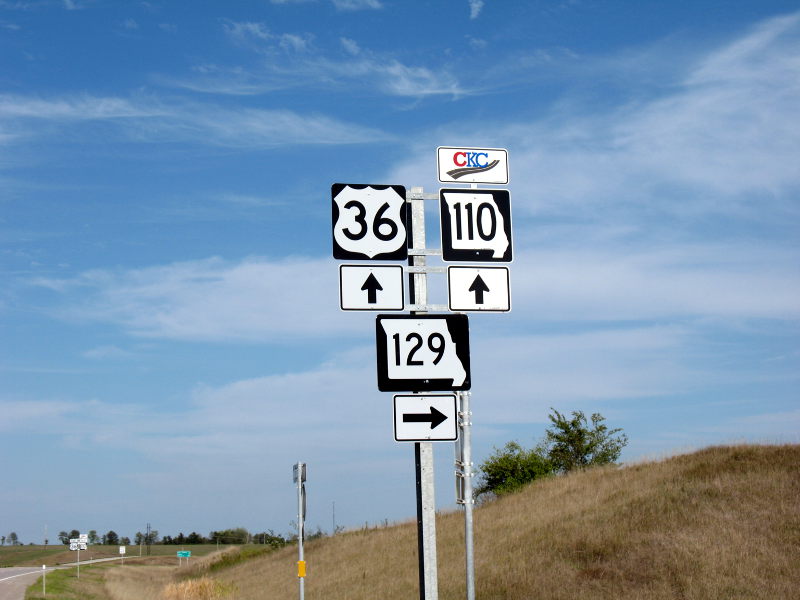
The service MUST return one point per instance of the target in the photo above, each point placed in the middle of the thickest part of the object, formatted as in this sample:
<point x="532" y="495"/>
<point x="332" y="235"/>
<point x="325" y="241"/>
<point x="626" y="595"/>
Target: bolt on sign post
<point x="299" y="476"/>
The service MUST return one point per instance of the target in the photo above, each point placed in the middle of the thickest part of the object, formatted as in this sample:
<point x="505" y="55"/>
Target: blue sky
<point x="171" y="337"/>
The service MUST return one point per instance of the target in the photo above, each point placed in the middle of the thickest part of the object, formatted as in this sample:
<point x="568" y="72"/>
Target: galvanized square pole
<point x="423" y="451"/>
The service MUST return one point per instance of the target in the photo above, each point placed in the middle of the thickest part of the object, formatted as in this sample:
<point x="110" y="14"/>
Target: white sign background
<point x="472" y="165"/>
<point x="421" y="431"/>
<point x="494" y="295"/>
<point x="352" y="278"/>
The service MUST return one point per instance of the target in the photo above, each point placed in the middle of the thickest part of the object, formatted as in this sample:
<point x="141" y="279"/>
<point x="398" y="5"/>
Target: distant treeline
<point x="238" y="535"/>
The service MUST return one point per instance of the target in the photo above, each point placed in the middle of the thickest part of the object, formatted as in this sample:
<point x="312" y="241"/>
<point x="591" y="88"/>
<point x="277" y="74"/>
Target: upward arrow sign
<point x="479" y="287"/>
<point x="372" y="287"/>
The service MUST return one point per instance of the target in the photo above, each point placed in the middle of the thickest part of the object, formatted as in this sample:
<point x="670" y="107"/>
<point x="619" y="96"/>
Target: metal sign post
<point x="464" y="494"/>
<point x="79" y="543"/>
<point x="423" y="451"/>
<point x="299" y="474"/>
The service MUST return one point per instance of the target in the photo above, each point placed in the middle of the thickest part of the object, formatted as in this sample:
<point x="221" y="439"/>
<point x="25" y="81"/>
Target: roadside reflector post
<point x="44" y="580"/>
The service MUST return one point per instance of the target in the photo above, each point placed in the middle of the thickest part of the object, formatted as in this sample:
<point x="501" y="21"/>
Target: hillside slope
<point x="723" y="522"/>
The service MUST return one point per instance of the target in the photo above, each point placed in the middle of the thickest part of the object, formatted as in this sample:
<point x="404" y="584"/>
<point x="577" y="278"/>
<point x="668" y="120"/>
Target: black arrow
<point x="435" y="418"/>
<point x="372" y="286"/>
<point x="479" y="287"/>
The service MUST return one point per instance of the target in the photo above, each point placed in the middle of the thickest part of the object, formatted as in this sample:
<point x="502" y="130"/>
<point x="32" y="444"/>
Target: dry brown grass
<point x="204" y="588"/>
<point x="720" y="523"/>
<point x="138" y="583"/>
<point x="159" y="582"/>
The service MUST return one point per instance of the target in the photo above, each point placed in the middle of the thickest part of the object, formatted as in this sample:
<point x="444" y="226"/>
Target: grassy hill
<point x="719" y="523"/>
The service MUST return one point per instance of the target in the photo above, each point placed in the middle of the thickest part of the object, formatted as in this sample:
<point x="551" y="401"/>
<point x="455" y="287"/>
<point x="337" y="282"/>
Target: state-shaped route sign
<point x="475" y="225"/>
<point x="422" y="353"/>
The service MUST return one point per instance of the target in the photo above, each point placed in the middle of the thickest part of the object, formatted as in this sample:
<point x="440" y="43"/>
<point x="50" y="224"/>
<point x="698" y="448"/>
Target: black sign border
<point x="421" y="398"/>
<point x="457" y="326"/>
<point x="340" y="253"/>
<point x="502" y="198"/>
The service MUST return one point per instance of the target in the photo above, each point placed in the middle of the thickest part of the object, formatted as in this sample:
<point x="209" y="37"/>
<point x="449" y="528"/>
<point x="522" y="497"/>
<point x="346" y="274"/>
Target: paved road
<point x="15" y="580"/>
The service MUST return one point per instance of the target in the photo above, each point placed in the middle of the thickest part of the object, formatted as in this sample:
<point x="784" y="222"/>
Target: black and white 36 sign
<point x="422" y="353"/>
<point x="369" y="222"/>
<point x="476" y="225"/>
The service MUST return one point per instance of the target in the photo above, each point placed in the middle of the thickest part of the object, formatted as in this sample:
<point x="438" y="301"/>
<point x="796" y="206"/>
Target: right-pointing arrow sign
<point x="434" y="417"/>
<point x="484" y="289"/>
<point x="425" y="418"/>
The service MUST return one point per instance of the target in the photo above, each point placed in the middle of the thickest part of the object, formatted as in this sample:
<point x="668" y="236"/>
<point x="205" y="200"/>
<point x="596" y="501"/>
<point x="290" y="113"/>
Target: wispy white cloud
<point x="475" y="7"/>
<point x="304" y="65"/>
<point x="343" y="5"/>
<point x="256" y="35"/>
<point x="731" y="128"/>
<point x="254" y="300"/>
<point x="151" y="119"/>
<point x="720" y="140"/>
<point x="582" y="281"/>
<point x="350" y="46"/>
<point x="107" y="352"/>
<point x="353" y="5"/>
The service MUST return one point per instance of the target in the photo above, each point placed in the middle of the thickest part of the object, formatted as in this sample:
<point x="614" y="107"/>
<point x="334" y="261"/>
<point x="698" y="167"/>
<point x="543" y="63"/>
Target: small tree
<point x="112" y="539"/>
<point x="151" y="538"/>
<point x="510" y="468"/>
<point x="2" y="540"/>
<point x="93" y="539"/>
<point x="572" y="444"/>
<point x="63" y="537"/>
<point x="569" y="444"/>
<point x="12" y="538"/>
